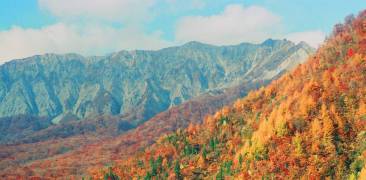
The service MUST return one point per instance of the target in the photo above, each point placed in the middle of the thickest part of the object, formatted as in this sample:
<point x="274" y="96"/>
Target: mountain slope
<point x="133" y="86"/>
<point x="109" y="150"/>
<point x="98" y="131"/>
<point x="59" y="85"/>
<point x="308" y="124"/>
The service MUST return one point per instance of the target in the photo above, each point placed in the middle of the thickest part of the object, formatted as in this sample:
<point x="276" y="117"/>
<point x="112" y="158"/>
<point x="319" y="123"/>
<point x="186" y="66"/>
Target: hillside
<point x="132" y="85"/>
<point x="66" y="142"/>
<point x="309" y="124"/>
<point x="66" y="154"/>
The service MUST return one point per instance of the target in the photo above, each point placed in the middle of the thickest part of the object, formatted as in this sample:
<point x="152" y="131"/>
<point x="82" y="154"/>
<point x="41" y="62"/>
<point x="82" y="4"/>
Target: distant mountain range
<point x="134" y="85"/>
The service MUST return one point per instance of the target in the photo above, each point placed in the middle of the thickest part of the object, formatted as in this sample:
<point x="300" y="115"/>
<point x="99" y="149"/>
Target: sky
<point x="99" y="27"/>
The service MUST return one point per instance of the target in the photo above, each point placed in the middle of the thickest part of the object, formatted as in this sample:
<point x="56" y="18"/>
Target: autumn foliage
<point x="310" y="124"/>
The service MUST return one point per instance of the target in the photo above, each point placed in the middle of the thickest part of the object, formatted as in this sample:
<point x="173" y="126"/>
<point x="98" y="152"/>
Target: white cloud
<point x="186" y="4"/>
<point x="111" y="10"/>
<point x="313" y="38"/>
<point x="235" y="24"/>
<point x="198" y="4"/>
<point x="62" y="38"/>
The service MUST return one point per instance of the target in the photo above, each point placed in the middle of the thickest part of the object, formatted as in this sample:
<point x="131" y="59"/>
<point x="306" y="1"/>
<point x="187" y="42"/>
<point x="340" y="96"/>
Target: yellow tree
<point x="361" y="109"/>
<point x="363" y="173"/>
<point x="328" y="126"/>
<point x="315" y="130"/>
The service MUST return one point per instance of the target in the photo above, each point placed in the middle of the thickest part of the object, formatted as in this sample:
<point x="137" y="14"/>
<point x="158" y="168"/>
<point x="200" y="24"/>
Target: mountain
<point x="131" y="85"/>
<point x="64" y="143"/>
<point x="308" y="124"/>
<point x="105" y="149"/>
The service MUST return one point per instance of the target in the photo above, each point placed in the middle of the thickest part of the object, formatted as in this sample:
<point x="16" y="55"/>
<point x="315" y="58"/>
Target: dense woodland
<point x="310" y="123"/>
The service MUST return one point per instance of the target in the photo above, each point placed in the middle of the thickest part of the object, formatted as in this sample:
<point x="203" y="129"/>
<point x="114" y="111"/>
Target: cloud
<point x="84" y="26"/>
<point x="64" y="38"/>
<point x="109" y="10"/>
<point x="187" y="4"/>
<point x="313" y="38"/>
<point x="235" y="24"/>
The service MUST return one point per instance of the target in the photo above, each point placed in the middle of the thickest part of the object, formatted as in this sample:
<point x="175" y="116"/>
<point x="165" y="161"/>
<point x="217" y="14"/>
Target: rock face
<point x="139" y="84"/>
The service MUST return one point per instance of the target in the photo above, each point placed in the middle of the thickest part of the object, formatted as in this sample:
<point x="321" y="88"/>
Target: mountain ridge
<point x="55" y="141"/>
<point x="71" y="87"/>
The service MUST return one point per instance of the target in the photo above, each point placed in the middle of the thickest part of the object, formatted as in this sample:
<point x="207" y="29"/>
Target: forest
<point x="308" y="124"/>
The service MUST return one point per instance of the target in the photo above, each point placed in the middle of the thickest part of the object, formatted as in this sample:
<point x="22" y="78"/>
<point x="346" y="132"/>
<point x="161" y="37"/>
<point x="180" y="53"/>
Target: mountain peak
<point x="195" y="44"/>
<point x="304" y="44"/>
<point x="274" y="42"/>
<point x="269" y="42"/>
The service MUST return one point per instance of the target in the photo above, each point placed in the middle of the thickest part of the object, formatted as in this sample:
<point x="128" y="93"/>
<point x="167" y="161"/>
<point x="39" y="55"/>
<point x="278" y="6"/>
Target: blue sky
<point x="96" y="27"/>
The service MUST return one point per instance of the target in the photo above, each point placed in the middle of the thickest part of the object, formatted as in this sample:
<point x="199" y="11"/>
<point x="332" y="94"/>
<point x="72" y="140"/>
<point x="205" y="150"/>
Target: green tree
<point x="148" y="176"/>
<point x="154" y="170"/>
<point x="213" y="142"/>
<point x="227" y="167"/>
<point x="204" y="152"/>
<point x="110" y="175"/>
<point x="140" y="163"/>
<point x="220" y="175"/>
<point x="159" y="163"/>
<point x="177" y="172"/>
<point x="240" y="160"/>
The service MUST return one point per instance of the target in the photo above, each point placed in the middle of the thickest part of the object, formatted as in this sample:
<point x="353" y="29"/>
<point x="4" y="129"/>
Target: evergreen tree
<point x="177" y="172"/>
<point x="148" y="176"/>
<point x="212" y="144"/>
<point x="154" y="170"/>
<point x="110" y="175"/>
<point x="220" y="175"/>
<point x="240" y="160"/>
<point x="204" y="153"/>
<point x="159" y="163"/>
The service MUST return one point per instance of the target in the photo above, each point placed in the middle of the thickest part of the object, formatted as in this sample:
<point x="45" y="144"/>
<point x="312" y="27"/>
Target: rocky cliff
<point x="139" y="84"/>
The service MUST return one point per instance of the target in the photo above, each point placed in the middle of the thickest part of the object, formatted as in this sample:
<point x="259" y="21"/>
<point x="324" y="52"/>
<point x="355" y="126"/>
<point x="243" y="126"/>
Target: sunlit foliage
<point x="310" y="123"/>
